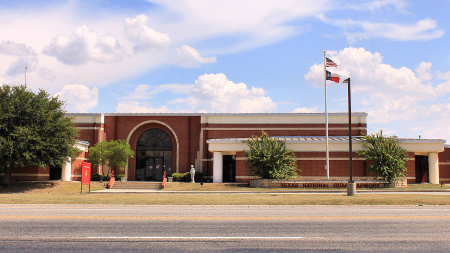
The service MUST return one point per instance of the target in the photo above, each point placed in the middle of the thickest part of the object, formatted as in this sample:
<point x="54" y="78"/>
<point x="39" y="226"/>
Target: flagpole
<point x="327" y="166"/>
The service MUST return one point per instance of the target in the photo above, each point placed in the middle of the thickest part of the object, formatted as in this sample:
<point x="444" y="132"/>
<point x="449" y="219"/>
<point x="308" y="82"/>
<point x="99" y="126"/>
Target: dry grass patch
<point x="177" y="186"/>
<point x="227" y="199"/>
<point x="39" y="187"/>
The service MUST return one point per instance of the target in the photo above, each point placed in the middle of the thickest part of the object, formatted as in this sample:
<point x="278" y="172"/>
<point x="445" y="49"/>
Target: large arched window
<point x="153" y="155"/>
<point x="154" y="139"/>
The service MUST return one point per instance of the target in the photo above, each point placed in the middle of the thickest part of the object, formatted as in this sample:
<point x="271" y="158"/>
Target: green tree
<point x="34" y="130"/>
<point x="98" y="155"/>
<point x="389" y="159"/>
<point x="119" y="151"/>
<point x="112" y="153"/>
<point x="270" y="158"/>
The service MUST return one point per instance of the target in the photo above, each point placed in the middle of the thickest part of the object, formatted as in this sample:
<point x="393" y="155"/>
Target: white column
<point x="66" y="171"/>
<point x="433" y="168"/>
<point x="217" y="167"/>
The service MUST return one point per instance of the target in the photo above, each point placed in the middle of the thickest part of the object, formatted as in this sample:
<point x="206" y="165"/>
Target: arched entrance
<point x="153" y="155"/>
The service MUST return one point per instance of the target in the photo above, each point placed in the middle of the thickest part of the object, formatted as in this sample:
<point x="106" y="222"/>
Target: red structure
<point x="214" y="144"/>
<point x="85" y="176"/>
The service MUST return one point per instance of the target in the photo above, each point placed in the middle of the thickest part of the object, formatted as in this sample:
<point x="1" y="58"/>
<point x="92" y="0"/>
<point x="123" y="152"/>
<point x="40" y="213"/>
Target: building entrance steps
<point x="137" y="185"/>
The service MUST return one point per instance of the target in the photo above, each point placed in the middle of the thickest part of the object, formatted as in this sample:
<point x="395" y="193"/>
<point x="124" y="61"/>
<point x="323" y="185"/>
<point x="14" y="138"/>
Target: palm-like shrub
<point x="270" y="158"/>
<point x="389" y="159"/>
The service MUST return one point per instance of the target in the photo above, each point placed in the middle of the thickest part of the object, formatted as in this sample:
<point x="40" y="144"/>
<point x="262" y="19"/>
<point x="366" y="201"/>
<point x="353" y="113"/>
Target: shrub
<point x="270" y="158"/>
<point x="96" y="177"/>
<point x="389" y="159"/>
<point x="181" y="177"/>
<point x="119" y="176"/>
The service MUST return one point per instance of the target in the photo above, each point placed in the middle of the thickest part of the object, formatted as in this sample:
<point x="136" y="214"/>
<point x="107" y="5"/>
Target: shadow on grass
<point x="25" y="186"/>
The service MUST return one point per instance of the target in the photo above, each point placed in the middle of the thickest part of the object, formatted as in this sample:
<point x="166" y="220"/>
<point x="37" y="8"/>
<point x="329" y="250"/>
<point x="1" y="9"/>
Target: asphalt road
<point x="104" y="228"/>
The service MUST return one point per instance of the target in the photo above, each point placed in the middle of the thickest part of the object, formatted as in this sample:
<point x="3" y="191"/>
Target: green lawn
<point x="69" y="193"/>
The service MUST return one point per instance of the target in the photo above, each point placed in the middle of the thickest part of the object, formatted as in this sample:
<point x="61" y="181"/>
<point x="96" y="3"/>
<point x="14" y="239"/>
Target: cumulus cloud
<point x="78" y="97"/>
<point x="423" y="71"/>
<point x="26" y="57"/>
<point x="306" y="110"/>
<point x="142" y="36"/>
<point x="215" y="93"/>
<point x="84" y="45"/>
<point x="388" y="94"/>
<point x="139" y="107"/>
<point x="189" y="57"/>
<point x="371" y="74"/>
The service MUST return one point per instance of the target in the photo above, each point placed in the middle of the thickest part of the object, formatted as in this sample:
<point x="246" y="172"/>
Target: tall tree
<point x="389" y="159"/>
<point x="270" y="158"/>
<point x="34" y="130"/>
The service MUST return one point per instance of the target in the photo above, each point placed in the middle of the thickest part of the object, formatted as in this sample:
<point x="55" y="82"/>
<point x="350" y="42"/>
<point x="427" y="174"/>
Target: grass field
<point x="58" y="192"/>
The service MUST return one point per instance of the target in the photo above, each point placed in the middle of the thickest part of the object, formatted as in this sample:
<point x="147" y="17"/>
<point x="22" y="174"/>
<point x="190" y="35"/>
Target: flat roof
<point x="322" y="139"/>
<point x="217" y="114"/>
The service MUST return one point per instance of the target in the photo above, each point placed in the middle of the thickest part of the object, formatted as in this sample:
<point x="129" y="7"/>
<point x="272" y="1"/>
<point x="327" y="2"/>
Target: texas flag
<point x="332" y="77"/>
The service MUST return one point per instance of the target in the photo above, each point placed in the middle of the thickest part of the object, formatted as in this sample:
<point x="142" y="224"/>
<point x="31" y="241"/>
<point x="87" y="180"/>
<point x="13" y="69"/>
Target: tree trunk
<point x="7" y="179"/>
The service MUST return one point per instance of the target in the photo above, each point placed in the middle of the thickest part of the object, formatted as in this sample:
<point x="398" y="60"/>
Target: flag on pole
<point x="333" y="77"/>
<point x="330" y="63"/>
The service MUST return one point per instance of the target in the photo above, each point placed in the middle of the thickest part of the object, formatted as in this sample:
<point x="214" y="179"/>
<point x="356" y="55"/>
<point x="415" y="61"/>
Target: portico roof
<point x="322" y="139"/>
<point x="317" y="144"/>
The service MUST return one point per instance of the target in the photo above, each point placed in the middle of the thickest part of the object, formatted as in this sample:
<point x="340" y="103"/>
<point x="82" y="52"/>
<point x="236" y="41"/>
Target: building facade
<point x="214" y="144"/>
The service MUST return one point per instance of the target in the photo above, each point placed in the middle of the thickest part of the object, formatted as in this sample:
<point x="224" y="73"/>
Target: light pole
<point x="351" y="186"/>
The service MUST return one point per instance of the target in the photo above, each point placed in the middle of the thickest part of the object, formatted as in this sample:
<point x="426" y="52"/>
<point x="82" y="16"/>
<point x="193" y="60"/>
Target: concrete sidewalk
<point x="144" y="191"/>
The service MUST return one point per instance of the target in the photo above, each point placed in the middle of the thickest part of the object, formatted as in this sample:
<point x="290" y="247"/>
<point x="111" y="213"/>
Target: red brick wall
<point x="92" y="134"/>
<point x="186" y="128"/>
<point x="76" y="167"/>
<point x="32" y="173"/>
<point x="339" y="165"/>
<point x="444" y="166"/>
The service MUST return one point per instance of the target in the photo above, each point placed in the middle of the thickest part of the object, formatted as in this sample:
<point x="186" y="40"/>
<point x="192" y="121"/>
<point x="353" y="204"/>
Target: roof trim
<point x="322" y="139"/>
<point x="217" y="114"/>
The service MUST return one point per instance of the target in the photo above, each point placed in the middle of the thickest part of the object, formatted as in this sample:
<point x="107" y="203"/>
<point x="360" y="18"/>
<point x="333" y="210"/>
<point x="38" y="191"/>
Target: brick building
<point x="214" y="144"/>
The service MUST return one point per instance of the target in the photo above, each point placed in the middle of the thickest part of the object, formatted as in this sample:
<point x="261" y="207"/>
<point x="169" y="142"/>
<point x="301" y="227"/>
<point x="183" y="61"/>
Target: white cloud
<point x="189" y="57"/>
<point x="145" y="92"/>
<point x="47" y="74"/>
<point x="425" y="29"/>
<point x="210" y="93"/>
<point x="444" y="76"/>
<point x="254" y="24"/>
<point x="79" y="98"/>
<point x="215" y="93"/>
<point x="142" y="36"/>
<point x="379" y="5"/>
<point x="25" y="57"/>
<point x="83" y="46"/>
<point x="306" y="110"/>
<point x="389" y="94"/>
<point x="423" y="71"/>
<point x="139" y="107"/>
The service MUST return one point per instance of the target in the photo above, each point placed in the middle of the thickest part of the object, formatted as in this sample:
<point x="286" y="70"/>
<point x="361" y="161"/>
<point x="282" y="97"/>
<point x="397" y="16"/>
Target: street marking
<point x="220" y="217"/>
<point x="196" y="237"/>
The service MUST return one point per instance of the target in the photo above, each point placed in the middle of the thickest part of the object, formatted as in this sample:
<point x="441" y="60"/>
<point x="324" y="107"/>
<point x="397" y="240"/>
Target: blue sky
<point x="237" y="56"/>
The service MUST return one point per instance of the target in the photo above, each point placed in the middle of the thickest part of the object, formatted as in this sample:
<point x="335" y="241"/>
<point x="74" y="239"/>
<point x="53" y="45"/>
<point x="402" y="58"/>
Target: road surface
<point x="131" y="228"/>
